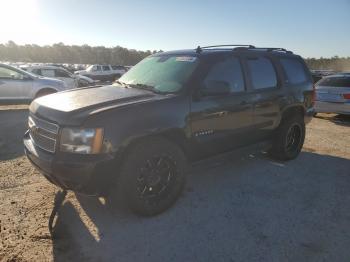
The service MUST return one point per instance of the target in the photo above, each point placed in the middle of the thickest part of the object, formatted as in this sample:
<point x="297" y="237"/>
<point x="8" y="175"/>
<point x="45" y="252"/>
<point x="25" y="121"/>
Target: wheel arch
<point x="176" y="136"/>
<point x="45" y="89"/>
<point x="292" y="110"/>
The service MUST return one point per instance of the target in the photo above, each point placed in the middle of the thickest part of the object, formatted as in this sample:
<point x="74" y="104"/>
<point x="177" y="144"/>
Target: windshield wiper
<point x="146" y="87"/>
<point x="121" y="83"/>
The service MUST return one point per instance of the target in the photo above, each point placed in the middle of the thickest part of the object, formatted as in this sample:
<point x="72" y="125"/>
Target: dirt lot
<point x="243" y="207"/>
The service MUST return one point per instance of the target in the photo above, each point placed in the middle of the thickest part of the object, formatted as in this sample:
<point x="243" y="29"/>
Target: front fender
<point x="122" y="126"/>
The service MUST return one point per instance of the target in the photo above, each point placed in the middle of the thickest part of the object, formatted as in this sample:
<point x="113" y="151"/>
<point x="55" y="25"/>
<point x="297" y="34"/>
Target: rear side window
<point x="62" y="73"/>
<point x="229" y="71"/>
<point x="294" y="70"/>
<point x="106" y="68"/>
<point x="262" y="72"/>
<point x="335" y="81"/>
<point x="118" y="68"/>
<point x="48" y="72"/>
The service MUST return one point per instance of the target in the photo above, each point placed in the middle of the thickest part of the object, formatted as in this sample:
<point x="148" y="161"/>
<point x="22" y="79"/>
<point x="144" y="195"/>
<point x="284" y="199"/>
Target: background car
<point x="103" y="72"/>
<point x="71" y="80"/>
<point x="333" y="94"/>
<point x="17" y="85"/>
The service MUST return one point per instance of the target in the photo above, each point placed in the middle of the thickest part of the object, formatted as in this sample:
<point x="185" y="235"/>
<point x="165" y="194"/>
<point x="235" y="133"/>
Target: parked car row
<point x="19" y="86"/>
<point x="25" y="82"/>
<point x="71" y="80"/>
<point x="103" y="72"/>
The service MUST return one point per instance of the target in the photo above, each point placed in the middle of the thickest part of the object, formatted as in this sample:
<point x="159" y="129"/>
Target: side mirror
<point x="216" y="88"/>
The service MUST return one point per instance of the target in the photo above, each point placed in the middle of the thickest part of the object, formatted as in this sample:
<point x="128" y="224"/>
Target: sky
<point x="309" y="28"/>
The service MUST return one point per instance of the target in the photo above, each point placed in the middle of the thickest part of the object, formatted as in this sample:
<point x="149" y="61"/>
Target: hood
<point x="74" y="106"/>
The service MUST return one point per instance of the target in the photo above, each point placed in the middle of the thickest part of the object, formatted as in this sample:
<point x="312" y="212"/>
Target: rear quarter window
<point x="294" y="70"/>
<point x="262" y="72"/>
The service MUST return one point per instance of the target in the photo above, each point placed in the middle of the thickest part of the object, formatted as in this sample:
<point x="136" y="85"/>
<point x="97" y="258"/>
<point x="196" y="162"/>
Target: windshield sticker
<point x="186" y="59"/>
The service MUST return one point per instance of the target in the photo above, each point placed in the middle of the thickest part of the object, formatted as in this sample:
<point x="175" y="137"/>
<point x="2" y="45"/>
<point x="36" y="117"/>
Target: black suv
<point x="170" y="109"/>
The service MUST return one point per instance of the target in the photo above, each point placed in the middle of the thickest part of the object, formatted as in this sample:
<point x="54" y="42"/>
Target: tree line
<point x="71" y="54"/>
<point x="334" y="63"/>
<point x="85" y="54"/>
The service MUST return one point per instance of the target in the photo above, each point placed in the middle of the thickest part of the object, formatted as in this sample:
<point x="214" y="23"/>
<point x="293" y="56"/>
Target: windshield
<point x="342" y="81"/>
<point x="165" y="73"/>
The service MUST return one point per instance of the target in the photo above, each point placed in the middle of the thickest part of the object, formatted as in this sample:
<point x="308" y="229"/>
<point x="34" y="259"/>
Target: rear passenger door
<point x="221" y="122"/>
<point x="265" y="87"/>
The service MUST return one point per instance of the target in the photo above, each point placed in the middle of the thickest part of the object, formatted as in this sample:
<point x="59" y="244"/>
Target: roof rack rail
<point x="200" y="48"/>
<point x="271" y="49"/>
<point x="245" y="47"/>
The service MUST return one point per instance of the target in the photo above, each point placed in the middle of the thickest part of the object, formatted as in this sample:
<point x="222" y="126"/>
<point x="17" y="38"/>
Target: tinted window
<point x="106" y="68"/>
<point x="229" y="71"/>
<point x="97" y="68"/>
<point x="294" y="70"/>
<point x="335" y="81"/>
<point x="262" y="73"/>
<point x="61" y="73"/>
<point x="118" y="68"/>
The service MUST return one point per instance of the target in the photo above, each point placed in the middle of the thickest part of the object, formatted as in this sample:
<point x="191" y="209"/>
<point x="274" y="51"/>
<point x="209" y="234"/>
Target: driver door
<point x="220" y="122"/>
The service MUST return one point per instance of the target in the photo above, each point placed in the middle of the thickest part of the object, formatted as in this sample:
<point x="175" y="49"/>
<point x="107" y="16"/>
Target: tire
<point x="152" y="176"/>
<point x="44" y="92"/>
<point x="289" y="138"/>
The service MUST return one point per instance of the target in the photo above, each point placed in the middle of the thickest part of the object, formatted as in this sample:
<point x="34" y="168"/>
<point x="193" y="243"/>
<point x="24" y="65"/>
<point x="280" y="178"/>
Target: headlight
<point x="81" y="140"/>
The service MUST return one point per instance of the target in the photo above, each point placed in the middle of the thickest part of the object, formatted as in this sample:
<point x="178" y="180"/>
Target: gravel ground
<point x="242" y="207"/>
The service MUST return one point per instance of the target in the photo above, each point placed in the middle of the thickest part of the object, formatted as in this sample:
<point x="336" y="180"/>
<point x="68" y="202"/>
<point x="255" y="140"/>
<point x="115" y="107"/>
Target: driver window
<point x="97" y="68"/>
<point x="6" y="73"/>
<point x="228" y="70"/>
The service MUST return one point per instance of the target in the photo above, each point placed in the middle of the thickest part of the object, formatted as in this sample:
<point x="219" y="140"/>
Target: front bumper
<point x="87" y="174"/>
<point x="331" y="107"/>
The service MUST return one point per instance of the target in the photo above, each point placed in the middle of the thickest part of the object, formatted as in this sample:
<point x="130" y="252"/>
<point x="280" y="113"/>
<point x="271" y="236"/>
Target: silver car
<point x="18" y="86"/>
<point x="333" y="95"/>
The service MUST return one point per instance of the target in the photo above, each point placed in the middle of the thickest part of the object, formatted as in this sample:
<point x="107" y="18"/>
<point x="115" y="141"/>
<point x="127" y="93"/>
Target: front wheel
<point x="289" y="139"/>
<point x="153" y="176"/>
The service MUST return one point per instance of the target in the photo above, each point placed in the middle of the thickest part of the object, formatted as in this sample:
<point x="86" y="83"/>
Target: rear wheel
<point x="153" y="176"/>
<point x="289" y="138"/>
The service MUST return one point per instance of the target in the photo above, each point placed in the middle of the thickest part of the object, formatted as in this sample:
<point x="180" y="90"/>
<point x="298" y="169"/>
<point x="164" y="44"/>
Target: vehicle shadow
<point x="246" y="208"/>
<point x="342" y="120"/>
<point x="13" y="124"/>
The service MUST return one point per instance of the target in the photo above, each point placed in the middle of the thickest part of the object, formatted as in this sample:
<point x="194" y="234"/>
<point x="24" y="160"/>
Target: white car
<point x="71" y="80"/>
<point x="333" y="94"/>
<point x="18" y="86"/>
<point x="103" y="72"/>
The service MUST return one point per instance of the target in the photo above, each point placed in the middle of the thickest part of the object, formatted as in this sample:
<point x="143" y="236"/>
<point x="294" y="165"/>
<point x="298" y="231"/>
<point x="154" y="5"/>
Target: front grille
<point x="43" y="133"/>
